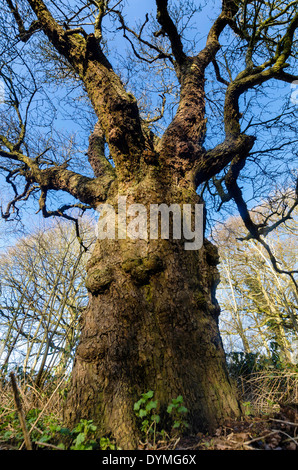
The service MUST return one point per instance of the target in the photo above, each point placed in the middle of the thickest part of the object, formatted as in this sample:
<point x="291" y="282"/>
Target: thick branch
<point x="170" y="29"/>
<point x="116" y="109"/>
<point x="102" y="7"/>
<point x="236" y="194"/>
<point x="215" y="160"/>
<point x="90" y="191"/>
<point x="207" y="55"/>
<point x="183" y="140"/>
<point x="96" y="153"/>
<point x="218" y="75"/>
<point x="87" y="190"/>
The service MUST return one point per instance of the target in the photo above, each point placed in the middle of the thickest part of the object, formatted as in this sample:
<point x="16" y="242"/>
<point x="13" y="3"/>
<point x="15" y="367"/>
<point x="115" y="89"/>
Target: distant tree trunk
<point x="151" y="324"/>
<point x="41" y="370"/>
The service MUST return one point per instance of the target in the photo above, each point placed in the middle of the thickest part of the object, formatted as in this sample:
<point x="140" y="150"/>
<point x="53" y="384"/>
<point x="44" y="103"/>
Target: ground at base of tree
<point x="261" y="428"/>
<point x="276" y="432"/>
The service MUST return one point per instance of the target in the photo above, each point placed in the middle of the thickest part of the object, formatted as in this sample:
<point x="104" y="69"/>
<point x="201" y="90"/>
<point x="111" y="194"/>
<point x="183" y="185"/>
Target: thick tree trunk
<point x="151" y="324"/>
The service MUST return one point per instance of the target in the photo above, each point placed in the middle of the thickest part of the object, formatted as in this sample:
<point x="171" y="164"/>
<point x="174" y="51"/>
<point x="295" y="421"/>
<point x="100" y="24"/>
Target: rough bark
<point x="151" y="324"/>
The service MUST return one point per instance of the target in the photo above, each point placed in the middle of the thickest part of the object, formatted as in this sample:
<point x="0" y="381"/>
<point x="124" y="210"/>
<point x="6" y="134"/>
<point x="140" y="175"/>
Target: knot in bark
<point x="141" y="269"/>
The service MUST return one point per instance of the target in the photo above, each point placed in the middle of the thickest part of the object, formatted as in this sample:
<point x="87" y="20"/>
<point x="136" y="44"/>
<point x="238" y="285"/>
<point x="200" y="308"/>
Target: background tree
<point x="152" y="318"/>
<point x="42" y="297"/>
<point x="259" y="305"/>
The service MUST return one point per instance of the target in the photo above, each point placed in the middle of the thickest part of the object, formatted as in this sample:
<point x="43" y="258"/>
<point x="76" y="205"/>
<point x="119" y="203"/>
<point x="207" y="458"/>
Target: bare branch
<point x="90" y="191"/>
<point x="24" y="34"/>
<point x="170" y="29"/>
<point x="161" y="114"/>
<point x="24" y="196"/>
<point x="160" y="53"/>
<point x="218" y="75"/>
<point x="61" y="212"/>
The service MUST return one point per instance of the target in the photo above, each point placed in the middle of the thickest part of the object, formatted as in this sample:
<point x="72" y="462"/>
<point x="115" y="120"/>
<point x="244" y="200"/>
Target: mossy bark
<point x="151" y="324"/>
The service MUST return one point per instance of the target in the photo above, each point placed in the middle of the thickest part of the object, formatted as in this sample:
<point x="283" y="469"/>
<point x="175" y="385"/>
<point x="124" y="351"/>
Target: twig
<point x="259" y="438"/>
<point x="20" y="411"/>
<point x="176" y="443"/>
<point x="284" y="422"/>
<point x="47" y="445"/>
<point x="294" y="439"/>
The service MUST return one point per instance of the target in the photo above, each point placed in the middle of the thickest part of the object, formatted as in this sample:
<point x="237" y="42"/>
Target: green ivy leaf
<point x="182" y="409"/>
<point x="138" y="404"/>
<point x="80" y="439"/>
<point x="142" y="413"/>
<point x="151" y="405"/>
<point x="148" y="395"/>
<point x="155" y="418"/>
<point x="170" y="408"/>
<point x="178" y="400"/>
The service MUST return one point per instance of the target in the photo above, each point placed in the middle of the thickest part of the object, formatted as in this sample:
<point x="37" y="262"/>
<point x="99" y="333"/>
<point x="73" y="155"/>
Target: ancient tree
<point x="152" y="318"/>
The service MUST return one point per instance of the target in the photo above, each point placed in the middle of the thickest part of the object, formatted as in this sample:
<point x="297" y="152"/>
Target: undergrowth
<point x="260" y="391"/>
